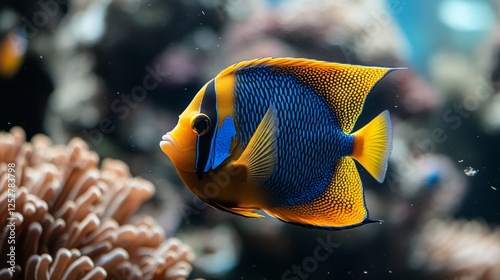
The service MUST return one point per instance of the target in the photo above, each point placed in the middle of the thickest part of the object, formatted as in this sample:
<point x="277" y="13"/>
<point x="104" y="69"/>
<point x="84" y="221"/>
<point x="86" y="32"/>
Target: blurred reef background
<point x="117" y="73"/>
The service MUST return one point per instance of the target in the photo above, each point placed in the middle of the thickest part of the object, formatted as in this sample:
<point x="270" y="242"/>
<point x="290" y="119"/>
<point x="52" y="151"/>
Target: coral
<point x="458" y="250"/>
<point x="74" y="220"/>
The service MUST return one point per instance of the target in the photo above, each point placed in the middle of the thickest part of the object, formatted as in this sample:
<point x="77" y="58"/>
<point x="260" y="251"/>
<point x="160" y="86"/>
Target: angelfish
<point x="274" y="134"/>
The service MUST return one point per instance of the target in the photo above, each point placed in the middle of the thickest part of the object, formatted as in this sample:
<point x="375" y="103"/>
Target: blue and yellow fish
<point x="274" y="134"/>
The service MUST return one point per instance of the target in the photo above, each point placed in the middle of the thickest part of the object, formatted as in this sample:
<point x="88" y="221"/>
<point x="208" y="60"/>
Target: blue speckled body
<point x="309" y="140"/>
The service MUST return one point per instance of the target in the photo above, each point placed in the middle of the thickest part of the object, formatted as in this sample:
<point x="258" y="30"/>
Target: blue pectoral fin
<point x="223" y="141"/>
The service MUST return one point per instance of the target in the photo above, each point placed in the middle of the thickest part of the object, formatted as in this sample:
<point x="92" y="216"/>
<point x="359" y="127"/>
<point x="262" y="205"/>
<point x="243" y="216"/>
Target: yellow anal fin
<point x="341" y="206"/>
<point x="373" y="145"/>
<point x="257" y="160"/>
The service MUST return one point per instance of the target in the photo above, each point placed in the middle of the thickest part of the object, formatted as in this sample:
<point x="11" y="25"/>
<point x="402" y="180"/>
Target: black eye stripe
<point x="204" y="143"/>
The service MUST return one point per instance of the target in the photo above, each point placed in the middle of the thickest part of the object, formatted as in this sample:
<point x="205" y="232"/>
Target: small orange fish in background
<point x="274" y="134"/>
<point x="12" y="50"/>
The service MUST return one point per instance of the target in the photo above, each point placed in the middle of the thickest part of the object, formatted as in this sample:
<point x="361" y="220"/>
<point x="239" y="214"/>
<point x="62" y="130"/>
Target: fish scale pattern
<point x="309" y="139"/>
<point x="345" y="87"/>
<point x="343" y="205"/>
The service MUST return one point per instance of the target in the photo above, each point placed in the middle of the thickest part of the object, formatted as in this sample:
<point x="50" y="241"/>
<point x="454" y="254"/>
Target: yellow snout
<point x="180" y="146"/>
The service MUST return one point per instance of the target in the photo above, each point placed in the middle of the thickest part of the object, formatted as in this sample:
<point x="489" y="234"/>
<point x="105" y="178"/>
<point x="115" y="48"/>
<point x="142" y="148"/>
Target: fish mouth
<point x="178" y="154"/>
<point x="167" y="138"/>
<point x="167" y="143"/>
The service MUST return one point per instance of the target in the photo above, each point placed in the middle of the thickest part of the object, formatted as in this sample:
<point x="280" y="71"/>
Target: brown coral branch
<point x="72" y="219"/>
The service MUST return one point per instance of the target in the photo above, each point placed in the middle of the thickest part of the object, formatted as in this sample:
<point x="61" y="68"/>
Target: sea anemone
<point x="64" y="218"/>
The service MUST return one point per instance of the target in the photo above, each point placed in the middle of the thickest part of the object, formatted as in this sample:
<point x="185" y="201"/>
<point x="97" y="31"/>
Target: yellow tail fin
<point x="373" y="145"/>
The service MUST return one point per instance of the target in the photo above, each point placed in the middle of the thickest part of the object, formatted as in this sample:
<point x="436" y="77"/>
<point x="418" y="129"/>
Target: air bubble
<point x="469" y="171"/>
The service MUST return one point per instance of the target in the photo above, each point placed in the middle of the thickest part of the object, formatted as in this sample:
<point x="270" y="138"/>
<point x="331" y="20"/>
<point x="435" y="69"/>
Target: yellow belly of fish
<point x="226" y="187"/>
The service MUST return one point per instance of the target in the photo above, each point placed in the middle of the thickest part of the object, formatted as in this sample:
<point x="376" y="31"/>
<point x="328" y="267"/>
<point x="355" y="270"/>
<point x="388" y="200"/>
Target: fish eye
<point x="200" y="123"/>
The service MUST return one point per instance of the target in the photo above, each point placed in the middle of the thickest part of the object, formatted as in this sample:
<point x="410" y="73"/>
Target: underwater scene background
<point x="117" y="73"/>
